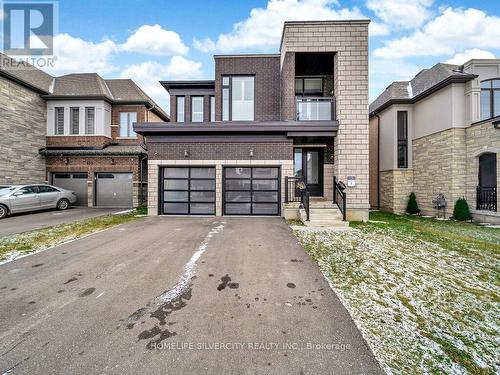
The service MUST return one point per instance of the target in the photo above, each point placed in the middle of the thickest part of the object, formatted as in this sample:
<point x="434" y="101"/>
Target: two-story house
<point x="238" y="144"/>
<point x="75" y="131"/>
<point x="438" y="134"/>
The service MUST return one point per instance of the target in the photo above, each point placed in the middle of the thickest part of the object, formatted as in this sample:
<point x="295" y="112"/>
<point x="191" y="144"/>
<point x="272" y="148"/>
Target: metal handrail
<point x="340" y="196"/>
<point x="292" y="193"/>
<point x="486" y="198"/>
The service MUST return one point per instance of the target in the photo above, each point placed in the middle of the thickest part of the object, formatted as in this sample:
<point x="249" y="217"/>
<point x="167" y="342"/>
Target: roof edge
<point x="22" y="82"/>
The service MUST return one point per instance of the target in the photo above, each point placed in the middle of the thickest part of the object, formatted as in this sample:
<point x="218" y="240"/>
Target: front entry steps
<point x="323" y="213"/>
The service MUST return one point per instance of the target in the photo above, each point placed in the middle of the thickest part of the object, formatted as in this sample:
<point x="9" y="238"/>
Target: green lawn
<point x="39" y="239"/>
<point x="425" y="293"/>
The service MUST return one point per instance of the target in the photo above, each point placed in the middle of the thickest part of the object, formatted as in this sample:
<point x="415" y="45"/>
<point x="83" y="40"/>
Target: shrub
<point x="461" y="211"/>
<point x="412" y="207"/>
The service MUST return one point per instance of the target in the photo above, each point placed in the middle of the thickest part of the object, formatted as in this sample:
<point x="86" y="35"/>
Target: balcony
<point x="315" y="108"/>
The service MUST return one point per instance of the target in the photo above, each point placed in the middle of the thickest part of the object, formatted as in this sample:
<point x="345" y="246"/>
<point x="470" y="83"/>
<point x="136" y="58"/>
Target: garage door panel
<point x="251" y="191"/>
<point x="188" y="191"/>
<point x="114" y="190"/>
<point x="76" y="182"/>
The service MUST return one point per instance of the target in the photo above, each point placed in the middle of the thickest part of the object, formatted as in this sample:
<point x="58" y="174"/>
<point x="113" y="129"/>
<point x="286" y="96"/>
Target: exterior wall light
<point x="186" y="153"/>
<point x="496" y="124"/>
<point x="251" y="153"/>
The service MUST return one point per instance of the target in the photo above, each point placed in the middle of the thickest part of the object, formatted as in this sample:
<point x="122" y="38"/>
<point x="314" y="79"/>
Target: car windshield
<point x="6" y="190"/>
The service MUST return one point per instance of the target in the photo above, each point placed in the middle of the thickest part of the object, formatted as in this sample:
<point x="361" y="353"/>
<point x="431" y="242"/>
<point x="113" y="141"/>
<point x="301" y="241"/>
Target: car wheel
<point x="3" y="211"/>
<point x="63" y="204"/>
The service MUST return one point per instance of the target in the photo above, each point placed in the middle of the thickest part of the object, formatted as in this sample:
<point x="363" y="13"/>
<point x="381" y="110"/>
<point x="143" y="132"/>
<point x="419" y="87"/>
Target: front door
<point x="309" y="164"/>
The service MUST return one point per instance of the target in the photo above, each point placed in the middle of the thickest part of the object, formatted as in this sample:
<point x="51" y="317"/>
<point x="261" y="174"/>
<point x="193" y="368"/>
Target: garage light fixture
<point x="496" y="124"/>
<point x="186" y="153"/>
<point x="250" y="153"/>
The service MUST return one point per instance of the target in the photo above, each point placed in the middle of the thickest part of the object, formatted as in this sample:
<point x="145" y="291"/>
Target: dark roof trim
<point x="452" y="79"/>
<point x="236" y="127"/>
<point x="200" y="84"/>
<point x="218" y="138"/>
<point x="79" y="97"/>
<point x="491" y="119"/>
<point x="250" y="55"/>
<point x="92" y="152"/>
<point x="21" y="82"/>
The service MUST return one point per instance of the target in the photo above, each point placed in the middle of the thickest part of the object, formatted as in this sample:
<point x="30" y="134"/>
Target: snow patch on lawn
<point x="189" y="269"/>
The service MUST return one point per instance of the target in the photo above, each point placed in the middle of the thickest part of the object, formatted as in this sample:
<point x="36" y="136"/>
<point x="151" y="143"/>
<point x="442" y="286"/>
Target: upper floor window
<point x="197" y="109"/>
<point x="89" y="120"/>
<point x="74" y="120"/>
<point x="212" y="109"/>
<point x="312" y="86"/>
<point x="59" y="120"/>
<point x="238" y="98"/>
<point x="127" y="120"/>
<point x="490" y="98"/>
<point x="180" y="108"/>
<point x="402" y="139"/>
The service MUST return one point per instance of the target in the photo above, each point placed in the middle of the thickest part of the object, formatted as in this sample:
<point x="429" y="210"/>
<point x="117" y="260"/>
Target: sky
<point x="151" y="40"/>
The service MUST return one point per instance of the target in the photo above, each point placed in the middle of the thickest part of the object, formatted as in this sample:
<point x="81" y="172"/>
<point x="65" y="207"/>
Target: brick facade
<point x="266" y="69"/>
<point x="23" y="126"/>
<point x="349" y="39"/>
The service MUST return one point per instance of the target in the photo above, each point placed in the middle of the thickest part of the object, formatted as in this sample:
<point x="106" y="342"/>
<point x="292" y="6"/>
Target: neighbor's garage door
<point x="188" y="191"/>
<point x="76" y="182"/>
<point x="114" y="190"/>
<point x="251" y="191"/>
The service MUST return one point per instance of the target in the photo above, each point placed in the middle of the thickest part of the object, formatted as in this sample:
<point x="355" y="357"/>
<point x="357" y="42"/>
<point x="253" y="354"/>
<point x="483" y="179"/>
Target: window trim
<point x="229" y="87"/>
<point x="129" y="125"/>
<point x="402" y="142"/>
<point x="491" y="90"/>
<point x="211" y="111"/>
<point x="183" y="97"/>
<point x="56" y="120"/>
<point x="202" y="107"/>
<point x="302" y="78"/>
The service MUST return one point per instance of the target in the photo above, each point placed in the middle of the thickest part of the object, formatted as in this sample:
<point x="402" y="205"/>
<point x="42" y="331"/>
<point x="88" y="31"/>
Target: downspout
<point x="378" y="161"/>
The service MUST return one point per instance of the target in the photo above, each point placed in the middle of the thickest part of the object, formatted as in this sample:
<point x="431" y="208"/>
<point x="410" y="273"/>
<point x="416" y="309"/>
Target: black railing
<point x="340" y="196"/>
<point x="295" y="191"/>
<point x="486" y="198"/>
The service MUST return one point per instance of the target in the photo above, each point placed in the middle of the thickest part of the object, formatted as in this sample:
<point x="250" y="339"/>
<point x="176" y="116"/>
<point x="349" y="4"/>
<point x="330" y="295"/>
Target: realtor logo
<point x="28" y="27"/>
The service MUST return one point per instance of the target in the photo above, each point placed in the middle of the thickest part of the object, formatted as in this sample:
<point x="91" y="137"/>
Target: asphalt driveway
<point x="177" y="295"/>
<point x="34" y="220"/>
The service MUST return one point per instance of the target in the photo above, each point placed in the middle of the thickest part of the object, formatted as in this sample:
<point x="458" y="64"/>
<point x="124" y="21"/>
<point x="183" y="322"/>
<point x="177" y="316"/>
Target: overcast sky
<point x="168" y="40"/>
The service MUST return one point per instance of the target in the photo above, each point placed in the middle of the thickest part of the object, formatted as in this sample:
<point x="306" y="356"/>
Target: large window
<point x="59" y="120"/>
<point x="74" y="119"/>
<point x="127" y="120"/>
<point x="402" y="139"/>
<point x="197" y="109"/>
<point x="490" y="98"/>
<point x="238" y="98"/>
<point x="89" y="120"/>
<point x="312" y="86"/>
<point x="180" y="108"/>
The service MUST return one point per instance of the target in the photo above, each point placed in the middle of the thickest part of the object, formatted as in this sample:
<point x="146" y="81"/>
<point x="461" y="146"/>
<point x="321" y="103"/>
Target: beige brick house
<point x="438" y="133"/>
<point x="238" y="144"/>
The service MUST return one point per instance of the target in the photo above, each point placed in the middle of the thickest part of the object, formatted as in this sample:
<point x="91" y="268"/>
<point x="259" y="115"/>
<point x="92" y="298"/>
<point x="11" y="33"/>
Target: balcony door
<point x="309" y="164"/>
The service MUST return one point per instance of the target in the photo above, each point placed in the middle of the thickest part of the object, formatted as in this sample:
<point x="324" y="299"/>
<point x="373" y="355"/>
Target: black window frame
<point x="230" y="91"/>
<point x="202" y="107"/>
<point x="402" y="139"/>
<point x="303" y="93"/>
<point x="177" y="108"/>
<point x="72" y="119"/>
<point x="491" y="91"/>
<point x="211" y="111"/>
<point x="56" y="120"/>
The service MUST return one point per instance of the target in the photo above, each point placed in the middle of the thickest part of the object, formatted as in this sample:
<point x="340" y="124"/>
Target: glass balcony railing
<point x="315" y="108"/>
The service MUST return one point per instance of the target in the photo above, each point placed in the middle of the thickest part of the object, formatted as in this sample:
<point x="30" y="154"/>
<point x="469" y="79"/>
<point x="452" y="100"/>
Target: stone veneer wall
<point x="349" y="39"/>
<point x="23" y="125"/>
<point x="439" y="166"/>
<point x="480" y="138"/>
<point x="395" y="188"/>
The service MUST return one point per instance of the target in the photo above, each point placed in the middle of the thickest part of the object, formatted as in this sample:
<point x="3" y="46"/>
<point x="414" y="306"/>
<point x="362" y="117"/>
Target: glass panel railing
<point x="315" y="108"/>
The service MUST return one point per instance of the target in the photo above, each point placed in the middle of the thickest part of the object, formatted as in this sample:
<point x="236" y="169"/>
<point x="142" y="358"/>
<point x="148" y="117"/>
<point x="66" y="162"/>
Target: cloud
<point x="452" y="31"/>
<point x="405" y="14"/>
<point x="75" y="55"/>
<point x="469" y="54"/>
<point x="154" y="40"/>
<point x="148" y="73"/>
<point x="261" y="31"/>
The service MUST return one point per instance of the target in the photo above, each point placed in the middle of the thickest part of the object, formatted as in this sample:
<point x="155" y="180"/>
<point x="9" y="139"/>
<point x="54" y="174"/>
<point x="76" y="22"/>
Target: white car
<point x="24" y="198"/>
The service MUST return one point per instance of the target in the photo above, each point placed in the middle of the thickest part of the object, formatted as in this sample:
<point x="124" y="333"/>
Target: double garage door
<point x="245" y="191"/>
<point x="111" y="189"/>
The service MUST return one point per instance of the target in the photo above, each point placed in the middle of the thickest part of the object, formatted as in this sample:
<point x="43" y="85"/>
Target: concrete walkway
<point x="178" y="296"/>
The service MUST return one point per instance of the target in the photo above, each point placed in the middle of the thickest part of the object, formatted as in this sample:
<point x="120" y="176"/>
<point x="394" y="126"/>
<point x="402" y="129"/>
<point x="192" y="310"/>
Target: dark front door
<point x="487" y="189"/>
<point x="309" y="164"/>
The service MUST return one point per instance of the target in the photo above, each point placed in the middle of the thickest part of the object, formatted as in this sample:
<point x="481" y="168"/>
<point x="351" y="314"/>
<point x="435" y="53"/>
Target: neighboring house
<point x="75" y="131"/>
<point x="233" y="141"/>
<point x="438" y="133"/>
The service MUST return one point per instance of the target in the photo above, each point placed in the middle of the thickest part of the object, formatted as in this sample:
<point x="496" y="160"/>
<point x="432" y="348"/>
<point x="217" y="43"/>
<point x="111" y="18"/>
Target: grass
<point x="425" y="293"/>
<point x="19" y="244"/>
